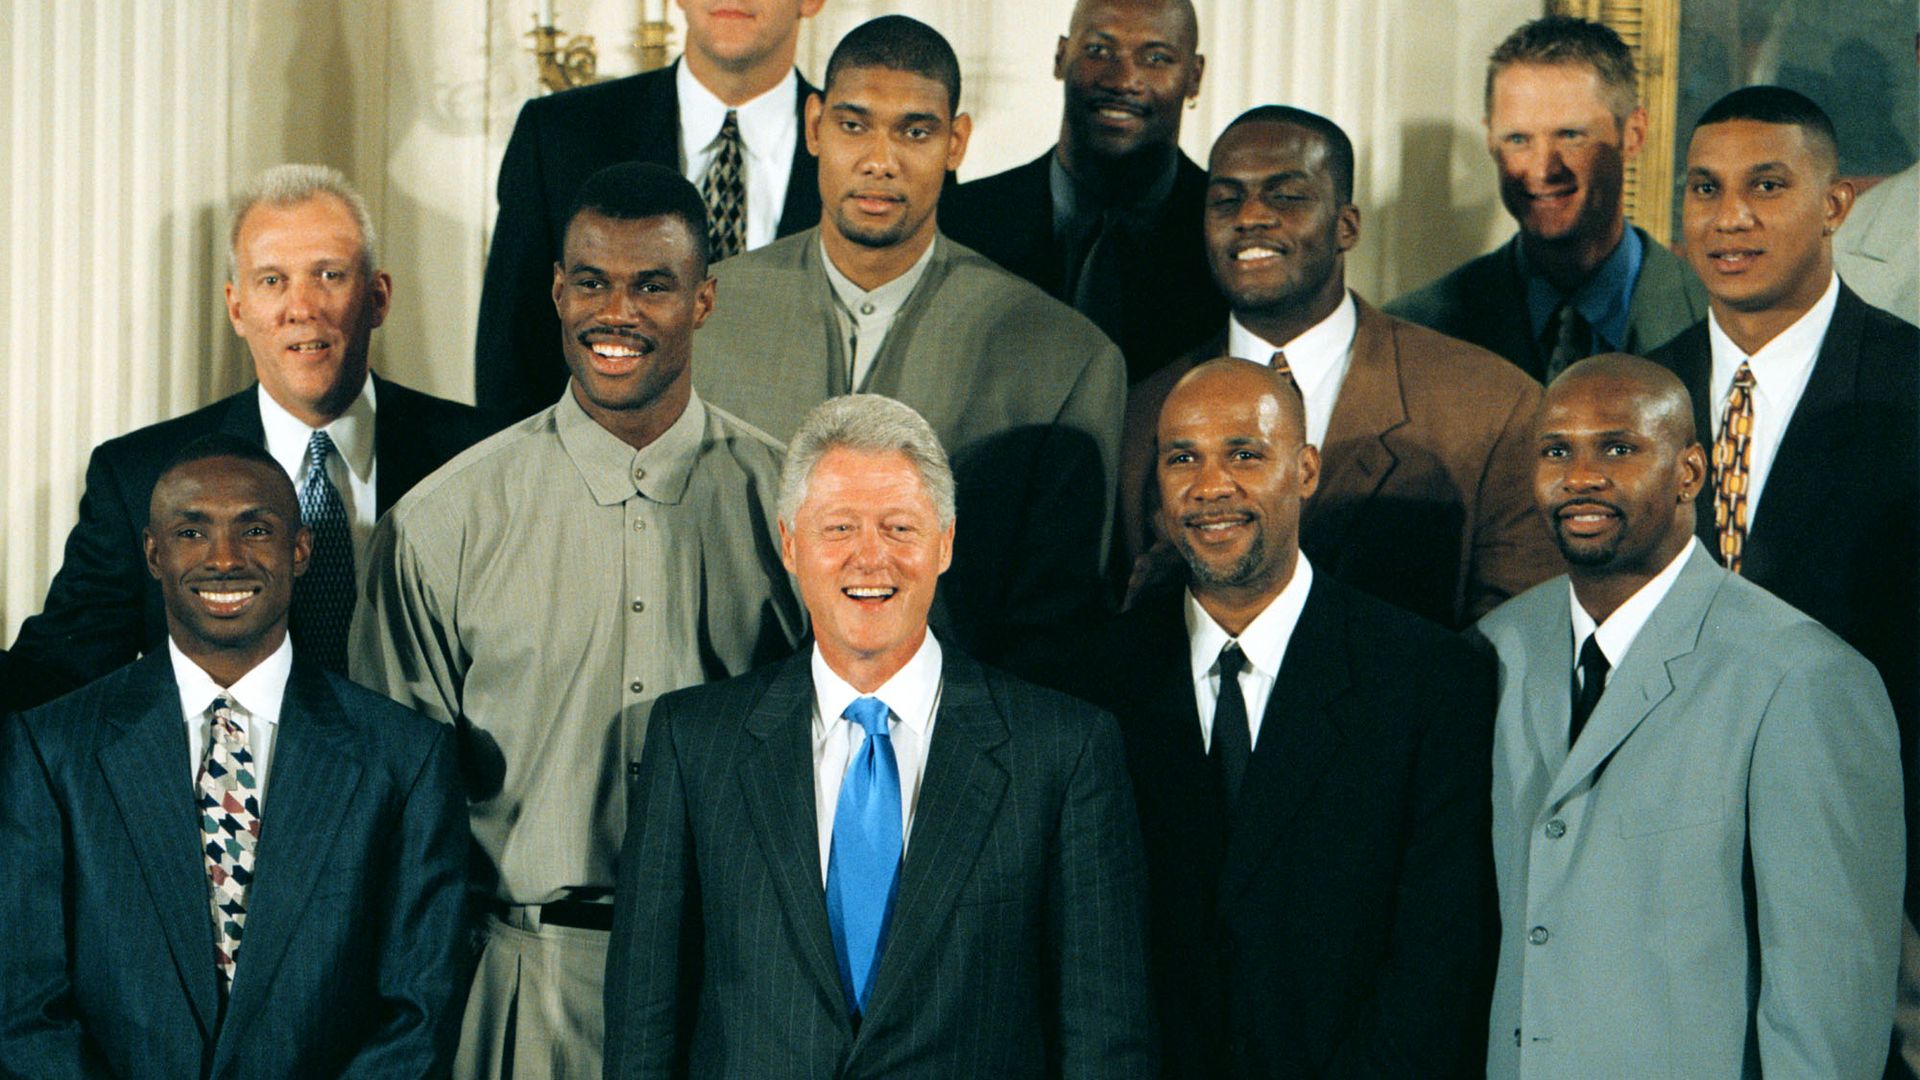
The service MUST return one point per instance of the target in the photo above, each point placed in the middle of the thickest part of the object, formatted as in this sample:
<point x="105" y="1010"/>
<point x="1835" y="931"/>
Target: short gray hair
<point x="291" y="185"/>
<point x="868" y="424"/>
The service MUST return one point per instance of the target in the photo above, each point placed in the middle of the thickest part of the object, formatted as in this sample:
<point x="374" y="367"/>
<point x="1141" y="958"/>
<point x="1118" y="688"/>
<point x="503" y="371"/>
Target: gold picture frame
<point x="1651" y="28"/>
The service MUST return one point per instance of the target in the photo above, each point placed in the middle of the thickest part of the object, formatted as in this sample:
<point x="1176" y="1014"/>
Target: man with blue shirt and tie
<point x="877" y="858"/>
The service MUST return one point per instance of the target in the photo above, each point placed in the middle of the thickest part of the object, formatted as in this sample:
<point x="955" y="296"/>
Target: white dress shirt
<point x="1319" y="359"/>
<point x="1617" y="633"/>
<point x="864" y="316"/>
<point x="769" y="130"/>
<point x="1263" y="642"/>
<point x="352" y="468"/>
<point x="1780" y="371"/>
<point x="912" y="696"/>
<point x="255" y="701"/>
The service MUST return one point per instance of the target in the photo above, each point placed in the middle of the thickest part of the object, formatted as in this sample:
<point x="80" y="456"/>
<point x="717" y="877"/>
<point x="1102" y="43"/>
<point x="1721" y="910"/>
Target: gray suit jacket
<point x="1709" y="884"/>
<point x="1018" y="939"/>
<point x="1484" y="301"/>
<point x="1025" y="394"/>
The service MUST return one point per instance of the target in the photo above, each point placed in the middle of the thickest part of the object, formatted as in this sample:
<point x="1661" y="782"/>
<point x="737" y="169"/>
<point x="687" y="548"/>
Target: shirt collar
<point x="255" y="696"/>
<point x="765" y="121"/>
<point x="351" y="432"/>
<point x="1781" y="362"/>
<point x="1617" y="633"/>
<point x="910" y="694"/>
<point x="888" y="299"/>
<point x="1071" y="198"/>
<point x="1265" y="639"/>
<point x="614" y="471"/>
<point x="1316" y="353"/>
<point x="1605" y="299"/>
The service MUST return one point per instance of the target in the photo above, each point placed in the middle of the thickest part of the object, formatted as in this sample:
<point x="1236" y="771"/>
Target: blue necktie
<point x="864" y="867"/>
<point x="323" y="596"/>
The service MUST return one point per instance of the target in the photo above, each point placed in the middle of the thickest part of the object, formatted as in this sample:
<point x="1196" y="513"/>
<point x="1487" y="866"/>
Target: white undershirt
<point x="1780" y="369"/>
<point x="1263" y="642"/>
<point x="351" y="468"/>
<point x="769" y="130"/>
<point x="912" y="695"/>
<point x="1319" y="359"/>
<point x="1627" y="620"/>
<point x="255" y="701"/>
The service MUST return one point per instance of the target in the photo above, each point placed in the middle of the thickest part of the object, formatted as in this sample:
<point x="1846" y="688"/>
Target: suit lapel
<point x="652" y="140"/>
<point x="801" y="210"/>
<point x="1690" y="356"/>
<point x="960" y="794"/>
<point x="1358" y="458"/>
<point x="776" y="781"/>
<point x="242" y="417"/>
<point x="314" y="780"/>
<point x="1299" y="731"/>
<point x="1505" y="308"/>
<point x="1547" y="697"/>
<point x="1641" y="681"/>
<point x="1167" y="734"/>
<point x="1824" y="423"/>
<point x="147" y="767"/>
<point x="400" y="461"/>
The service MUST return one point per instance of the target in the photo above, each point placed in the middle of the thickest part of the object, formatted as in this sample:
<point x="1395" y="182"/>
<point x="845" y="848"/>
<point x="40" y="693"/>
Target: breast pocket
<point x="1690" y="811"/>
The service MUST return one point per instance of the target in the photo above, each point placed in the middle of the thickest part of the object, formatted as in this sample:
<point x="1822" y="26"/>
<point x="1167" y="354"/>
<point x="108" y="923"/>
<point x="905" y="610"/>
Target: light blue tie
<point x="864" y="867"/>
<point x="323" y="596"/>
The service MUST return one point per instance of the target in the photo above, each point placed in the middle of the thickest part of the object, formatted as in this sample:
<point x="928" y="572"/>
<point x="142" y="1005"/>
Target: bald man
<point x="1108" y="219"/>
<point x="1696" y="792"/>
<point x="1311" y="767"/>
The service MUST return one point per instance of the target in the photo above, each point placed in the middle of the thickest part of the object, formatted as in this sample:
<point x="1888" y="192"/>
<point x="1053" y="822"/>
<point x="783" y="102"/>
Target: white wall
<point x="127" y="124"/>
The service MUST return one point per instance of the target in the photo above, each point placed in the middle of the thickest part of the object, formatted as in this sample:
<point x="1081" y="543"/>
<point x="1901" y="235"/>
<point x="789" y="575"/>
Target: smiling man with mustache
<point x="1422" y="500"/>
<point x="1108" y="218"/>
<point x="1024" y="392"/>
<point x="1696" y="788"/>
<point x="544" y="588"/>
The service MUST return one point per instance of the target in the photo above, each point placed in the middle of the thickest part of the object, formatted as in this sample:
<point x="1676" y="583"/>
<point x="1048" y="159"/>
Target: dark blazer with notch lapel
<point x="1426" y="493"/>
<point x="1340" y="922"/>
<point x="354" y="961"/>
<point x="1171" y="304"/>
<point x="1837" y="533"/>
<point x="103" y="609"/>
<point x="1484" y="301"/>
<point x="1017" y="944"/>
<point x="557" y="143"/>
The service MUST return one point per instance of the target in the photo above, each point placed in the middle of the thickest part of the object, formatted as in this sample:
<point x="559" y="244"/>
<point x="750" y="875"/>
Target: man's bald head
<point x="1235" y="377"/>
<point x="1658" y="393"/>
<point x="1181" y="10"/>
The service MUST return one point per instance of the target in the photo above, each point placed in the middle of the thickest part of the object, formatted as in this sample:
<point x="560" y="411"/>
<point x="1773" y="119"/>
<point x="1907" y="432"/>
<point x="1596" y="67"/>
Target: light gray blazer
<point x="1025" y="393"/>
<point x="1710" y="884"/>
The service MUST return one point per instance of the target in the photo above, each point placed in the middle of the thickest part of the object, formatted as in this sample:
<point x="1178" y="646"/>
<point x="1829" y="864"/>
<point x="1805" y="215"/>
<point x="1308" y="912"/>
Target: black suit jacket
<point x="1837" y="533"/>
<point x="103" y="609"/>
<point x="354" y="959"/>
<point x="557" y="143"/>
<point x="1341" y="921"/>
<point x="1017" y="943"/>
<point x="1171" y="302"/>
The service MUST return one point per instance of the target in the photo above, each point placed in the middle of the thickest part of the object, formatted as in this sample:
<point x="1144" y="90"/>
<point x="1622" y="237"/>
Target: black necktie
<point x="1569" y="337"/>
<point x="1093" y="277"/>
<point x="1232" y="740"/>
<point x="1590" y="685"/>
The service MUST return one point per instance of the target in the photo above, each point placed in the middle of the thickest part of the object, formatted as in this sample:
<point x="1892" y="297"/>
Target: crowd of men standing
<point x="1043" y="626"/>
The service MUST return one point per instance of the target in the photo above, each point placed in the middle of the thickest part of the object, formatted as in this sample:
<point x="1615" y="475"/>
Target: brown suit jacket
<point x="1426" y="493"/>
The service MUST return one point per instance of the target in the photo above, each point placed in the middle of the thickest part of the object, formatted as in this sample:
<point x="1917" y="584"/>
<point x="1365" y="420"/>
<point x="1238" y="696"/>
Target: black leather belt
<point x="578" y="914"/>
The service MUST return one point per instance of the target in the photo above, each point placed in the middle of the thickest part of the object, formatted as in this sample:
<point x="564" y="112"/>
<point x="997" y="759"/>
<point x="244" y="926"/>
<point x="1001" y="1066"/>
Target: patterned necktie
<point x="1232" y="738"/>
<point x="863" y="869"/>
<point x="1588" y="687"/>
<point x="1568" y="338"/>
<point x="1732" y="462"/>
<point x="725" y="190"/>
<point x="229" y="800"/>
<point x="323" y="596"/>
<point x="1279" y="364"/>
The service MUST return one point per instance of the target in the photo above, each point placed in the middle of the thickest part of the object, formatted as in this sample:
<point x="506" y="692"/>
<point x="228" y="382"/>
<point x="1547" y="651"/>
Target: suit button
<point x="633" y="768"/>
<point x="639" y="605"/>
<point x="1556" y="829"/>
<point x="1516" y="1036"/>
<point x="1538" y="935"/>
<point x="636" y="686"/>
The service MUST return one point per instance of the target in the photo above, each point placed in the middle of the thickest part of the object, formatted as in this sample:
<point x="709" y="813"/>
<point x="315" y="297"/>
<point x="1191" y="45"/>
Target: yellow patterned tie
<point x="1732" y="468"/>
<point x="1279" y="364"/>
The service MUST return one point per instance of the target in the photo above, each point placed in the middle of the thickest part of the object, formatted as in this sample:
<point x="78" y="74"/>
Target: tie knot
<point x="870" y="713"/>
<point x="730" y="127"/>
<point x="221" y="712"/>
<point x="1593" y="662"/>
<point x="1232" y="660"/>
<point x="318" y="448"/>
<point x="1743" y="377"/>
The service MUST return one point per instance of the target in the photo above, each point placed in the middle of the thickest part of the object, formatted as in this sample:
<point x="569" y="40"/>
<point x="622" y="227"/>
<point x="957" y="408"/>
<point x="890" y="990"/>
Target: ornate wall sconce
<point x="564" y="61"/>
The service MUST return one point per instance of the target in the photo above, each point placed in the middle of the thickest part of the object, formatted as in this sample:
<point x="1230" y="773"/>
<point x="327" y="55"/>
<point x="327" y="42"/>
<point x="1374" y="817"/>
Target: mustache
<point x="1103" y="100"/>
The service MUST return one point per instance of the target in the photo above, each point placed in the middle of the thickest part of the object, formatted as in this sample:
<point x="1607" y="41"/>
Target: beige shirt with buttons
<point x="543" y="588"/>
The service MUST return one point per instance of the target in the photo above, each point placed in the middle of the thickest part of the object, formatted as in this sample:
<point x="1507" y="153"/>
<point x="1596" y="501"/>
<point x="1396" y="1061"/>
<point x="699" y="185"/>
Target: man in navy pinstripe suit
<point x="949" y="885"/>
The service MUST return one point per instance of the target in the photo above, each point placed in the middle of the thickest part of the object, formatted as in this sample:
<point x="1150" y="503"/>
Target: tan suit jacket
<point x="1426" y="496"/>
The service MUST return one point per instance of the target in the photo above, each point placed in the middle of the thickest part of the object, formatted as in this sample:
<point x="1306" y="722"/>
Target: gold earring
<point x="1193" y="103"/>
